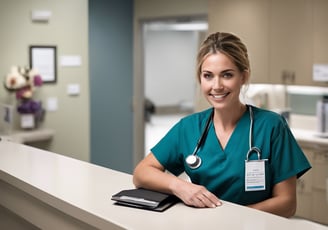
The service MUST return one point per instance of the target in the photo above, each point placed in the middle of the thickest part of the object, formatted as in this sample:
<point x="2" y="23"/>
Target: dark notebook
<point x="145" y="199"/>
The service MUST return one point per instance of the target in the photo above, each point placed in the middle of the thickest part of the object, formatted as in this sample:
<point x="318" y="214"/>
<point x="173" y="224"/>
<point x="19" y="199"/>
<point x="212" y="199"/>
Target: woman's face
<point x="221" y="81"/>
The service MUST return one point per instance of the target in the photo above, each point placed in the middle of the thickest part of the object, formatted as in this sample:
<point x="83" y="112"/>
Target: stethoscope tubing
<point x="194" y="161"/>
<point x="204" y="134"/>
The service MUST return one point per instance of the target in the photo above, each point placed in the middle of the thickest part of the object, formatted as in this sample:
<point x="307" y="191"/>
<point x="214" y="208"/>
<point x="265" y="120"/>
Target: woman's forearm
<point x="153" y="178"/>
<point x="283" y="201"/>
<point x="150" y="174"/>
<point x="281" y="206"/>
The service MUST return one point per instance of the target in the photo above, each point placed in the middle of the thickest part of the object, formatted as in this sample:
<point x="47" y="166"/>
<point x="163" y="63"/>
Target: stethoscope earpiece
<point x="193" y="161"/>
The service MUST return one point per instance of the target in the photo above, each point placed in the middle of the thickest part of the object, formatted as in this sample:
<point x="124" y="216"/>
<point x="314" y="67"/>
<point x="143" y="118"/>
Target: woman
<point x="235" y="138"/>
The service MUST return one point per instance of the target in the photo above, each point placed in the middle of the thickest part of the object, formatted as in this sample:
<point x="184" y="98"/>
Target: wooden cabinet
<point x="320" y="175"/>
<point x="320" y="32"/>
<point x="312" y="200"/>
<point x="284" y="38"/>
<point x="304" y="190"/>
<point x="298" y="39"/>
<point x="290" y="40"/>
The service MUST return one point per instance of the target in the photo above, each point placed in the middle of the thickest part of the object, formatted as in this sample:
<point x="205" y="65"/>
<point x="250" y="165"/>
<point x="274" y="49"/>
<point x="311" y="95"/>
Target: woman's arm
<point x="283" y="201"/>
<point x="150" y="174"/>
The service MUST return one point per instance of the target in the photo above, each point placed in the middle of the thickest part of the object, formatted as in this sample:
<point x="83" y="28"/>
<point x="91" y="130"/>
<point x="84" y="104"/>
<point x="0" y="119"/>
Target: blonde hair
<point x="227" y="44"/>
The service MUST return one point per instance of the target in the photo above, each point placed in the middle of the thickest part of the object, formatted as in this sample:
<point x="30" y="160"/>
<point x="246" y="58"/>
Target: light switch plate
<point x="73" y="89"/>
<point x="41" y="15"/>
<point x="52" y="104"/>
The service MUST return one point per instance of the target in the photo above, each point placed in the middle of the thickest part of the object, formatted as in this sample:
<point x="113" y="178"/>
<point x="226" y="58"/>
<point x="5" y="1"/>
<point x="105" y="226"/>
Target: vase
<point x="27" y="121"/>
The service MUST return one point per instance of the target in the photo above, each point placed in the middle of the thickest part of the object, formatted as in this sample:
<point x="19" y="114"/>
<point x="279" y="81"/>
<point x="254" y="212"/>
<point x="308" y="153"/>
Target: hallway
<point x="158" y="126"/>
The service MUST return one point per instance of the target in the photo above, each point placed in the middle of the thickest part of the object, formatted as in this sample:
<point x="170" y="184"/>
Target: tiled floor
<point x="158" y="126"/>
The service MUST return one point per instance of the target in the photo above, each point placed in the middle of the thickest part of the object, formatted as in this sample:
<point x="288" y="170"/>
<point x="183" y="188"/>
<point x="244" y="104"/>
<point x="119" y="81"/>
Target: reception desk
<point x="52" y="191"/>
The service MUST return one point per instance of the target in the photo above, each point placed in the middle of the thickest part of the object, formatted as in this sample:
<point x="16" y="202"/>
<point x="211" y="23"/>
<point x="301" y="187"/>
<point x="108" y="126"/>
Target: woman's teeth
<point x="219" y="96"/>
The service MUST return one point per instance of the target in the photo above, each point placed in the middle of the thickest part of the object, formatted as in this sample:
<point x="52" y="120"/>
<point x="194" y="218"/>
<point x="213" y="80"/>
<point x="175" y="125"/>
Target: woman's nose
<point x="217" y="83"/>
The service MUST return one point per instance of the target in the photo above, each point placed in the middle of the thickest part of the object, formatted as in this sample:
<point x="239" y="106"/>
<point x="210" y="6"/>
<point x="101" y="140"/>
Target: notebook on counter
<point x="145" y="199"/>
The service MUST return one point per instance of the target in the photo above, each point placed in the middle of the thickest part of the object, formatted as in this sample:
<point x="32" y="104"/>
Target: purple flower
<point x="29" y="106"/>
<point x="37" y="80"/>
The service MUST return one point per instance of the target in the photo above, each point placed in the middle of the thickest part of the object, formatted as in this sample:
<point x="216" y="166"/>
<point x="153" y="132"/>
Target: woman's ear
<point x="245" y="76"/>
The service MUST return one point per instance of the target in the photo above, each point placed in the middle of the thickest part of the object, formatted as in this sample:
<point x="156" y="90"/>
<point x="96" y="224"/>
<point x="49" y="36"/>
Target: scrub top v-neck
<point x="223" y="170"/>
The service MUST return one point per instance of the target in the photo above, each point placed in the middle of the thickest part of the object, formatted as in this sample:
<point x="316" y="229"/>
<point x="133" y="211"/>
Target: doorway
<point x="170" y="48"/>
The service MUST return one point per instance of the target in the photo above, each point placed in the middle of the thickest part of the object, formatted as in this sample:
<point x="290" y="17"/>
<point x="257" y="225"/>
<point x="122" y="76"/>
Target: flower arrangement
<point x="23" y="81"/>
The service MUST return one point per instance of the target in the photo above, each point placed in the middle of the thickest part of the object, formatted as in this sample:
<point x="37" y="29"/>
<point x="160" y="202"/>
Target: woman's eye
<point x="227" y="75"/>
<point x="207" y="75"/>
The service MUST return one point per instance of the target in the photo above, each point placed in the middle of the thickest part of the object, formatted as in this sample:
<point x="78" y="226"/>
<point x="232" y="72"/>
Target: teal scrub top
<point x="223" y="170"/>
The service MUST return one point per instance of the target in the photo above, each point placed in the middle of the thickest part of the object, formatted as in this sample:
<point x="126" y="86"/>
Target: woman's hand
<point x="195" y="195"/>
<point x="150" y="174"/>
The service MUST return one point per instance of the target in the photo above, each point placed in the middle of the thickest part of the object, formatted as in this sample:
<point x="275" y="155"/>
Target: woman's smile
<point x="219" y="96"/>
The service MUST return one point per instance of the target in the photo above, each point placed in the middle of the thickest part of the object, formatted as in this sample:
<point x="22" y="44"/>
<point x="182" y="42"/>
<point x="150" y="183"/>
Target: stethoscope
<point x="194" y="161"/>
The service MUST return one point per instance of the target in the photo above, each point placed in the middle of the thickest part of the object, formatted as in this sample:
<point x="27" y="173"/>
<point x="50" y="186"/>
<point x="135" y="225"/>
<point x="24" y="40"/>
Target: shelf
<point x="29" y="136"/>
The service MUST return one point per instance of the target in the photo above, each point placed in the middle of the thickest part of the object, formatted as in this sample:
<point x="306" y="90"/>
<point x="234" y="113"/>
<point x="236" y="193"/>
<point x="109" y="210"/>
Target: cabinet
<point x="304" y="190"/>
<point x="320" y="174"/>
<point x="312" y="202"/>
<point x="284" y="38"/>
<point x="320" y="31"/>
<point x="290" y="40"/>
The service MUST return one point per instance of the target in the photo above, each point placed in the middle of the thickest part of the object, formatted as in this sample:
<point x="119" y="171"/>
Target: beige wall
<point x="68" y="30"/>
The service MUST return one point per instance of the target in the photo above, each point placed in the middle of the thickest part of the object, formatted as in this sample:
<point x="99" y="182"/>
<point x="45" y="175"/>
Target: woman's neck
<point x="228" y="118"/>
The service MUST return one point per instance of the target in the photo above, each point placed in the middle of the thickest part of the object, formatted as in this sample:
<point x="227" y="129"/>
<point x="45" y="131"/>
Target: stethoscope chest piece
<point x="193" y="161"/>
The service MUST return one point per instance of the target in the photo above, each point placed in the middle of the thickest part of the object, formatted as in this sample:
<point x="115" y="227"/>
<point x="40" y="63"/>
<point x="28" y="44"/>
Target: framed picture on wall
<point x="43" y="58"/>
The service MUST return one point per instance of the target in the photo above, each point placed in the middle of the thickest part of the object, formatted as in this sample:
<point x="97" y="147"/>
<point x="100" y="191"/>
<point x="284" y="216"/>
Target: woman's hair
<point x="227" y="44"/>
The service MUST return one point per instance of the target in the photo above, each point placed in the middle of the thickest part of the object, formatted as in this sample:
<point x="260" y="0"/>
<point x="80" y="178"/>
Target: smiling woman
<point x="257" y="172"/>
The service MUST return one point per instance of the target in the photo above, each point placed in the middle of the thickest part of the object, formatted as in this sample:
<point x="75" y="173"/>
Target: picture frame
<point x="44" y="60"/>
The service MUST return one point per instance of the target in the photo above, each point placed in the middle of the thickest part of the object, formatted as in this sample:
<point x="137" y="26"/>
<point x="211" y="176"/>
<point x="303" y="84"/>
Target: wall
<point x="68" y="30"/>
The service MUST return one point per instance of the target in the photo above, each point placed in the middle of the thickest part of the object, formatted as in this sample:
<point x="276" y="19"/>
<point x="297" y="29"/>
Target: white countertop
<point x="83" y="191"/>
<point x="310" y="138"/>
<point x="304" y="129"/>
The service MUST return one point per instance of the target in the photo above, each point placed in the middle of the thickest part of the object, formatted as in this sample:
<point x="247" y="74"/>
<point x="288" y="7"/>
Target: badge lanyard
<point x="254" y="169"/>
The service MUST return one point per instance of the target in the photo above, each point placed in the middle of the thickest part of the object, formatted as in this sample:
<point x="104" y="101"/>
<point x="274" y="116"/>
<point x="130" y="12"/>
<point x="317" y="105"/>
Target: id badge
<point x="255" y="175"/>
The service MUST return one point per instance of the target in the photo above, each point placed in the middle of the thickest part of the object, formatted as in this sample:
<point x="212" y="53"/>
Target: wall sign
<point x="43" y="58"/>
<point x="320" y="72"/>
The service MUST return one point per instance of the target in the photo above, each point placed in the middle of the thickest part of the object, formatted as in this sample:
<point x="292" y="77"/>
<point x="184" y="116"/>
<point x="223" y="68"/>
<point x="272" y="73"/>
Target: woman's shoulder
<point x="268" y="116"/>
<point x="263" y="112"/>
<point x="195" y="120"/>
<point x="197" y="116"/>
<point x="192" y="122"/>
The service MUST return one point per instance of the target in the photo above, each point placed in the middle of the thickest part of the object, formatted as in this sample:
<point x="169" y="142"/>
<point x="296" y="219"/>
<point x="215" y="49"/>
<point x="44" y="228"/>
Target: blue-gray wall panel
<point x="110" y="50"/>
